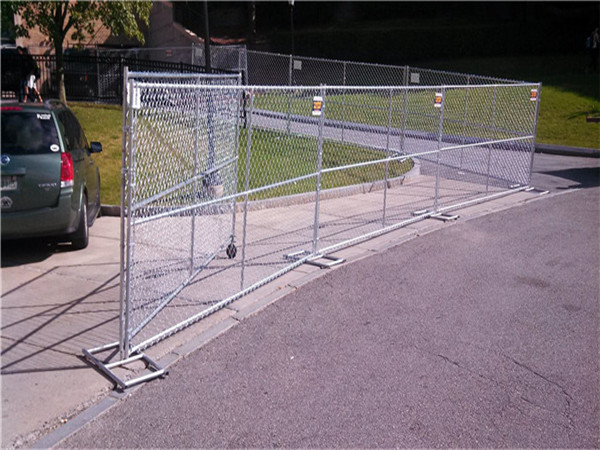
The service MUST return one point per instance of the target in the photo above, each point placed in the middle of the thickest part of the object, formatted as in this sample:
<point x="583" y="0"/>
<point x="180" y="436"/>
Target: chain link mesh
<point x="293" y="172"/>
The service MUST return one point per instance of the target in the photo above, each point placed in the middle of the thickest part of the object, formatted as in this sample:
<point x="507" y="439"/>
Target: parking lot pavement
<point x="56" y="302"/>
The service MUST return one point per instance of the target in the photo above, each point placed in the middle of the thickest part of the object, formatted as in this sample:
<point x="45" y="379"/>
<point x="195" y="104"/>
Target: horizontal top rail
<point x="340" y="88"/>
<point x="181" y="75"/>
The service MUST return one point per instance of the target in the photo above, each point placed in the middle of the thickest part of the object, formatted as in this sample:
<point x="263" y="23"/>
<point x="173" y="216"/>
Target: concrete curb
<point x="567" y="151"/>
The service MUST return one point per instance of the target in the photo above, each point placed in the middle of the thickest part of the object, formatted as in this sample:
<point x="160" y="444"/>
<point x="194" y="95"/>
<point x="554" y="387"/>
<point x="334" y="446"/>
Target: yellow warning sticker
<point x="534" y="95"/>
<point x="317" y="106"/>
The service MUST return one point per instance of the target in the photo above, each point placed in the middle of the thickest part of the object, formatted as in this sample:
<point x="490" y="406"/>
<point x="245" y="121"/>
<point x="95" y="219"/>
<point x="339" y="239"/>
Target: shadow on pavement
<point x="583" y="177"/>
<point x="28" y="251"/>
<point x="42" y="336"/>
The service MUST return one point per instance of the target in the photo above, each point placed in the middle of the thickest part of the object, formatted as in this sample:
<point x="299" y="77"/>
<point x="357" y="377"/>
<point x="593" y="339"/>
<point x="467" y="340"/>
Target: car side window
<point x="74" y="136"/>
<point x="78" y="132"/>
<point x="66" y="130"/>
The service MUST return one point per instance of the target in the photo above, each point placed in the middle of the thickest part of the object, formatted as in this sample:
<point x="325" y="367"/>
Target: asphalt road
<point x="482" y="334"/>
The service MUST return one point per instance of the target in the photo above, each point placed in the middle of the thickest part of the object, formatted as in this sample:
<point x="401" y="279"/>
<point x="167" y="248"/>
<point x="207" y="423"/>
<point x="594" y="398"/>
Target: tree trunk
<point x="58" y="37"/>
<point x="60" y="71"/>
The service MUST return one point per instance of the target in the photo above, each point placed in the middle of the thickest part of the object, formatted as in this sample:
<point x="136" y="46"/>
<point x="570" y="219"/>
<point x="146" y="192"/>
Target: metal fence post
<point x="387" y="156"/>
<point x="289" y="99"/>
<point x="237" y="156"/>
<point x="493" y="124"/>
<point x="440" y="134"/>
<point x="535" y="124"/>
<point x="344" y="101"/>
<point x="124" y="179"/>
<point x="247" y="184"/>
<point x="195" y="174"/>
<point x="464" y="127"/>
<point x="128" y="180"/>
<point x="319" y="169"/>
<point x="404" y="119"/>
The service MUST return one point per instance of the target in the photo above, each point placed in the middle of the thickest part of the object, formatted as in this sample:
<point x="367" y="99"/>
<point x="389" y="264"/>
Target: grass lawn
<point x="569" y="93"/>
<point x="275" y="157"/>
<point x="104" y="123"/>
<point x="470" y="110"/>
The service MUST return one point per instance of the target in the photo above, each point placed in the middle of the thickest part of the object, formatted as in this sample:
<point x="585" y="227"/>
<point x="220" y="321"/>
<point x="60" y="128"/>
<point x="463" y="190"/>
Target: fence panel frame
<point x="442" y="143"/>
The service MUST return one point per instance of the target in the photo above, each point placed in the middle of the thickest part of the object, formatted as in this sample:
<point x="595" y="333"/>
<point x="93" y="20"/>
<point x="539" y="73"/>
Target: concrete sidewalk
<point x="56" y="302"/>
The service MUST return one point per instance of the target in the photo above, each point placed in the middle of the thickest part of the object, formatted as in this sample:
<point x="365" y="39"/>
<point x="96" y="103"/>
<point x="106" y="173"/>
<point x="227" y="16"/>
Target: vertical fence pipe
<point x="404" y="119"/>
<point x="237" y="153"/>
<point x="440" y="133"/>
<point x="537" y="111"/>
<point x="130" y="180"/>
<point x="195" y="183"/>
<point x="464" y="127"/>
<point x="124" y="178"/>
<point x="319" y="169"/>
<point x="247" y="184"/>
<point x="344" y="100"/>
<point x="387" y="157"/>
<point x="404" y="109"/>
<point x="487" y="181"/>
<point x="289" y="98"/>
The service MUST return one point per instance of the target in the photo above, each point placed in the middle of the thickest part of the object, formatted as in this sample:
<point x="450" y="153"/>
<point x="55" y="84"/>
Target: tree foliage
<point x="56" y="19"/>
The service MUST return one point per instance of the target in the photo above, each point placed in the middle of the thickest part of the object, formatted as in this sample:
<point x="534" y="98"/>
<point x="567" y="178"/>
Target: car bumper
<point x="59" y="220"/>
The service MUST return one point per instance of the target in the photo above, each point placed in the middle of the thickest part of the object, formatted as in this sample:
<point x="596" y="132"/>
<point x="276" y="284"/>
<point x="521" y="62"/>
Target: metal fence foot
<point x="539" y="191"/>
<point x="444" y="217"/>
<point x="106" y="368"/>
<point x="314" y="260"/>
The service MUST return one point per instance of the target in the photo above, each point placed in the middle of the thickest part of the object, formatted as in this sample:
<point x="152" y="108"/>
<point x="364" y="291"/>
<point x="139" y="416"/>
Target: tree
<point x="56" y="19"/>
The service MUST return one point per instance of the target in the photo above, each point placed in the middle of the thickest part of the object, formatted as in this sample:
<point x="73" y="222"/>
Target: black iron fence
<point x="87" y="78"/>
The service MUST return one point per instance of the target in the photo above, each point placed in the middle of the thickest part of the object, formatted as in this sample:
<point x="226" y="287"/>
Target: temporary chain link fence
<point x="227" y="187"/>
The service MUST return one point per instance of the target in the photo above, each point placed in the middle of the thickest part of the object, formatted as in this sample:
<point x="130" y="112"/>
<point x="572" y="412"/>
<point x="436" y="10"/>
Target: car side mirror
<point x="95" y="147"/>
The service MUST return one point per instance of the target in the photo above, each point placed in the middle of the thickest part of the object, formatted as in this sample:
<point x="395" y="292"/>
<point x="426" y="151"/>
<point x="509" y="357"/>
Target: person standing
<point x="28" y="69"/>
<point x="32" y="91"/>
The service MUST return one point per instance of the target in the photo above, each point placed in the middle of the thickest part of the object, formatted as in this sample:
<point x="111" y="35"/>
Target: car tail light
<point x="11" y="108"/>
<point x="67" y="173"/>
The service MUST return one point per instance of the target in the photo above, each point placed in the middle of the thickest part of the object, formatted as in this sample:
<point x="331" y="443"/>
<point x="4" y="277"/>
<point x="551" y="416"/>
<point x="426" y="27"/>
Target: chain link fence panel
<point x="226" y="186"/>
<point x="312" y="170"/>
<point x="180" y="164"/>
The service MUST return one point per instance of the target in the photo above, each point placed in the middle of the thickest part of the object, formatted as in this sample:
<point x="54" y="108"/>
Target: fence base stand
<point x="444" y="217"/>
<point x="539" y="191"/>
<point x="314" y="261"/>
<point x="106" y="369"/>
<point x="422" y="212"/>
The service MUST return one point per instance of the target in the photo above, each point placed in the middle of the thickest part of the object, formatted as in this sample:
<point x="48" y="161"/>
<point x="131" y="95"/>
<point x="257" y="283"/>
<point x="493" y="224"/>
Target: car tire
<point x="80" y="238"/>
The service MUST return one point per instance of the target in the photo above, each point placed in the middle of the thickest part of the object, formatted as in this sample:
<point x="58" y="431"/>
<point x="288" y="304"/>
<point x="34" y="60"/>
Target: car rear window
<point x="27" y="133"/>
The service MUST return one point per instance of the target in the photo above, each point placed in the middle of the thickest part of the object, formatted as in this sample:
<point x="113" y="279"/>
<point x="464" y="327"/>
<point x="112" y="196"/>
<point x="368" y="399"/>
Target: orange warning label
<point x="534" y="95"/>
<point x="317" y="106"/>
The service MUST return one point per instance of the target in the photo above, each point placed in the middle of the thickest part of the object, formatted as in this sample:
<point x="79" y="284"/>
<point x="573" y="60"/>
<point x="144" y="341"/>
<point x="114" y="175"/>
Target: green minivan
<point x="50" y="183"/>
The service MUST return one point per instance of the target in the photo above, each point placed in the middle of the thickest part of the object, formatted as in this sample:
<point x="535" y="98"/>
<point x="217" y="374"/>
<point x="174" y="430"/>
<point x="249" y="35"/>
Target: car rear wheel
<point x="81" y="237"/>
